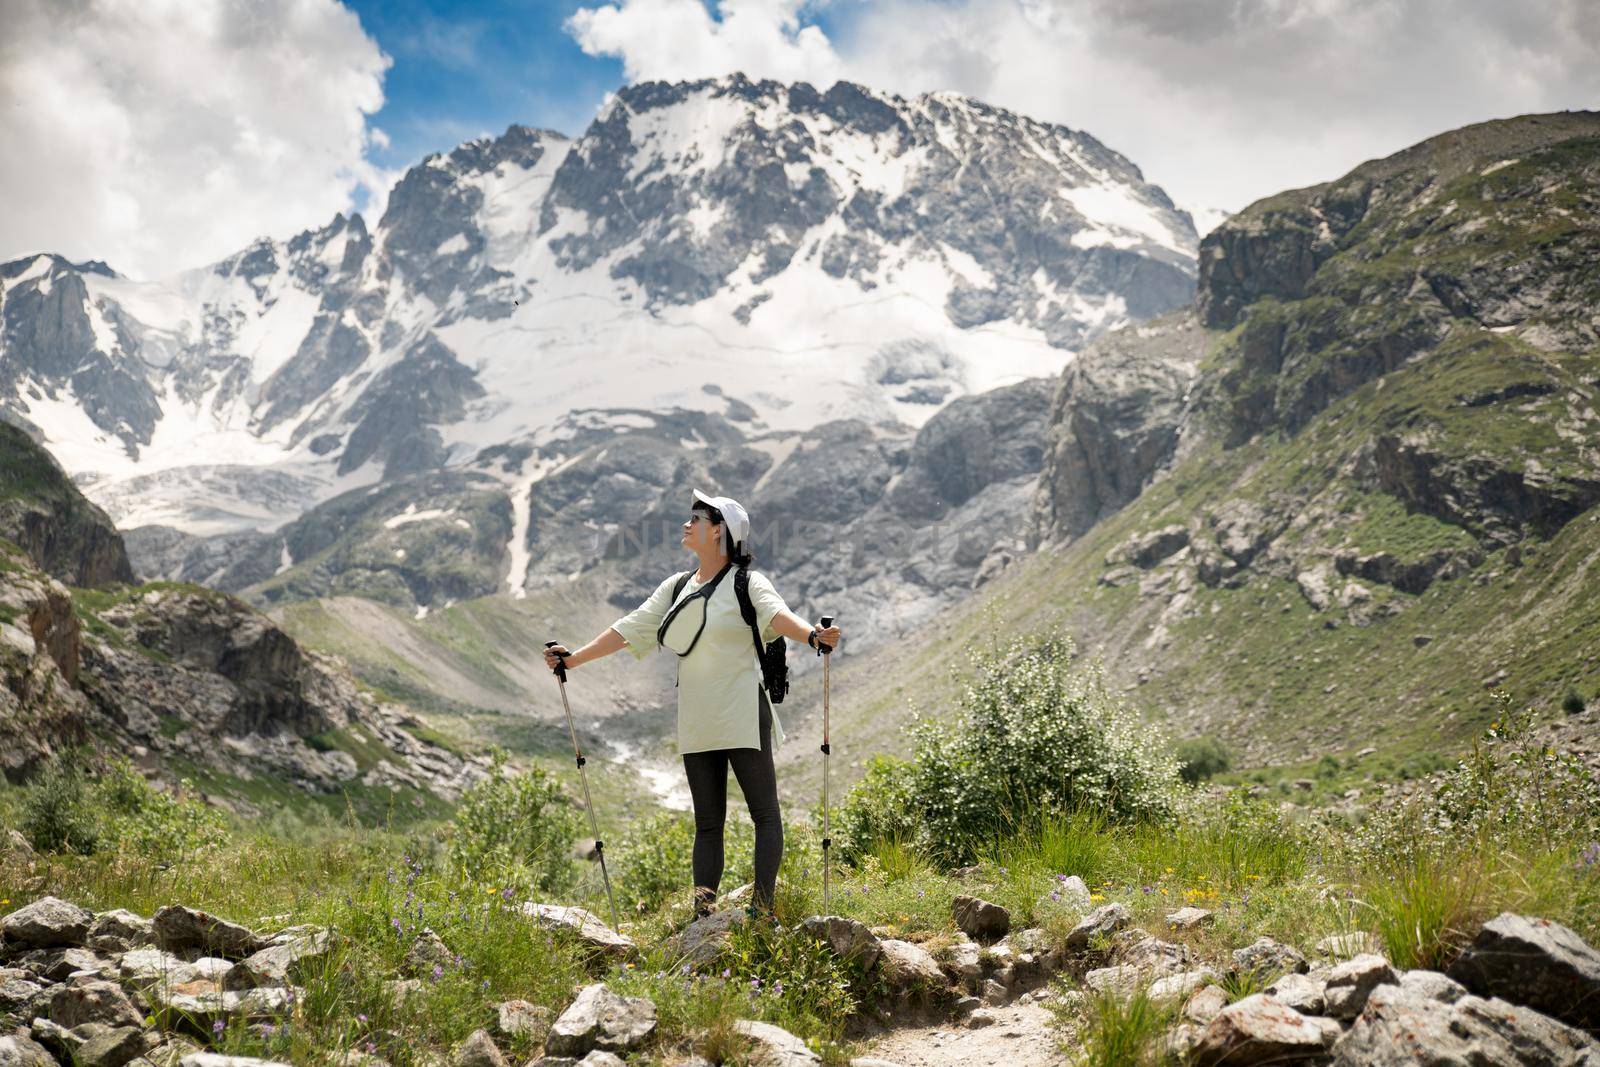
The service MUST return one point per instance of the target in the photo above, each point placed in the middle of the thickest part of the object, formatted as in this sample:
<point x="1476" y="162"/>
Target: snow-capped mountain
<point x="806" y="255"/>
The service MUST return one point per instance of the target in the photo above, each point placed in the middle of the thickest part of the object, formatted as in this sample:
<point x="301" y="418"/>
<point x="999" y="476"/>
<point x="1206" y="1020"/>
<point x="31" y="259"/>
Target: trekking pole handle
<point x="822" y="649"/>
<point x="561" y="661"/>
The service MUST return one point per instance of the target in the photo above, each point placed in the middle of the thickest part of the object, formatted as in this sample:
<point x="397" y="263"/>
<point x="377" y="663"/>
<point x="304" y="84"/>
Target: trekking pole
<point x="827" y="842"/>
<point x="594" y="827"/>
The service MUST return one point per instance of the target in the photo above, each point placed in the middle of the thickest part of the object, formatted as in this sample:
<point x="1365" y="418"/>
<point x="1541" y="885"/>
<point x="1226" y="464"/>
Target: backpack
<point x="773" y="656"/>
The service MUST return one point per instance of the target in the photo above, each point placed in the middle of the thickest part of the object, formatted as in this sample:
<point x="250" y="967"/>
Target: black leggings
<point x="708" y="786"/>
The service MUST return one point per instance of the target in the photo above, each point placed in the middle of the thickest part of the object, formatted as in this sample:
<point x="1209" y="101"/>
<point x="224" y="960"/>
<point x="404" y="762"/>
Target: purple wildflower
<point x="218" y="1026"/>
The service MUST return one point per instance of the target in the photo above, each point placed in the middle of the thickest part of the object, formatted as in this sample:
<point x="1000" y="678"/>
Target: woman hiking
<point x="724" y="716"/>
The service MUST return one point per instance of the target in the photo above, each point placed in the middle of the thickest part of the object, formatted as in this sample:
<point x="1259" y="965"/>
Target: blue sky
<point x="463" y="69"/>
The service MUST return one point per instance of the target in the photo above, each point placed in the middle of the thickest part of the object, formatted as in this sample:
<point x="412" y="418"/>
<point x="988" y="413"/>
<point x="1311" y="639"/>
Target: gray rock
<point x="477" y="1049"/>
<point x="599" y="1018"/>
<point x="994" y="992"/>
<point x="119" y="930"/>
<point x="514" y="1017"/>
<point x="585" y="924"/>
<point x="1181" y="985"/>
<point x="216" y="1059"/>
<point x="1350" y="983"/>
<point x="1537" y="963"/>
<point x="20" y="1050"/>
<point x="45" y="923"/>
<point x="1259" y="1029"/>
<point x="17" y="993"/>
<point x="1303" y="993"/>
<point x="966" y="1004"/>
<point x="961" y="963"/>
<point x="1190" y="918"/>
<point x="979" y="1019"/>
<point x="1431" y="985"/>
<point x="980" y="918"/>
<point x="58" y="964"/>
<point x="113" y="1046"/>
<point x="1205" y="1004"/>
<point x="1267" y="959"/>
<point x="278" y="964"/>
<point x="95" y="1001"/>
<point x="1123" y="980"/>
<point x="180" y="930"/>
<point x="427" y="953"/>
<point x="848" y="938"/>
<point x="908" y="967"/>
<point x="775" y="1046"/>
<point x="1155" y="956"/>
<point x="871" y="1061"/>
<point x="601" y="1058"/>
<point x="1103" y="921"/>
<point x="1401" y="1027"/>
<point x="702" y="941"/>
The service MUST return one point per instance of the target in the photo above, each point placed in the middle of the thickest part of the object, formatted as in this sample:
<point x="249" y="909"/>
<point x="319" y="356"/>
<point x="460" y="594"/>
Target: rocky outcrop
<point x="43" y="513"/>
<point x="1117" y="418"/>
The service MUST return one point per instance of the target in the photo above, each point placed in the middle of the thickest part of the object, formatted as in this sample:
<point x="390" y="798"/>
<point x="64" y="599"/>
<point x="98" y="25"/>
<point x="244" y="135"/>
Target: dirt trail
<point x="1022" y="1035"/>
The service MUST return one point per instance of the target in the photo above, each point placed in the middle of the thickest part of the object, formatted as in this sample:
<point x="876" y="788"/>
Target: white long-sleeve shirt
<point x="720" y="680"/>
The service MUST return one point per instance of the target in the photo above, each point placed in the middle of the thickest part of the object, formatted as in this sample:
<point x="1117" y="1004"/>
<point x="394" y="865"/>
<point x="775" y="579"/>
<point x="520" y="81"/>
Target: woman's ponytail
<point x="740" y="554"/>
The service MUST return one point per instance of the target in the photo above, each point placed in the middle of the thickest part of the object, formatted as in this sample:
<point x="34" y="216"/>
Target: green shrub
<point x="801" y="973"/>
<point x="516" y="829"/>
<point x="1123" y="1032"/>
<point x="1573" y="703"/>
<point x="1200" y="758"/>
<point x="139" y="817"/>
<point x="879" y="809"/>
<point x="653" y="859"/>
<point x="58" y="811"/>
<point x="1427" y="906"/>
<point x="1032" y="735"/>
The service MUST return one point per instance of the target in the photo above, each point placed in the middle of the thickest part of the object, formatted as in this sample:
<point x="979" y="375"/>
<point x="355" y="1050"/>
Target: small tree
<point x="1200" y="758"/>
<point x="517" y="828"/>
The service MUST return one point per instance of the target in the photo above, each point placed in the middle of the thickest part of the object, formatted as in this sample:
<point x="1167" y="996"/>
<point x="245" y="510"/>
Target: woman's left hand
<point x="828" y="635"/>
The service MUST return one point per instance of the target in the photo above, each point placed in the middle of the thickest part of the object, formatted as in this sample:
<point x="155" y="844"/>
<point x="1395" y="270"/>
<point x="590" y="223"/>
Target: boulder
<point x="477" y="1049"/>
<point x="1400" y="1027"/>
<point x="515" y="1017"/>
<point x="1181" y="985"/>
<point x="217" y="1059"/>
<point x="45" y="923"/>
<point x="775" y="1046"/>
<point x="277" y="964"/>
<point x="960" y="962"/>
<point x="113" y="1046"/>
<point x="1303" y="993"/>
<point x="908" y="966"/>
<point x="93" y="1002"/>
<point x="1069" y="895"/>
<point x="183" y="930"/>
<point x="1205" y="1004"/>
<point x="1124" y="981"/>
<point x="1431" y="985"/>
<point x="1155" y="956"/>
<point x="583" y="923"/>
<point x="58" y="964"/>
<point x="847" y="938"/>
<point x="119" y="930"/>
<point x="601" y="1058"/>
<point x="1190" y="918"/>
<point x="1350" y="983"/>
<point x="1537" y="963"/>
<point x="1266" y="959"/>
<point x="980" y="919"/>
<point x="1259" y="1029"/>
<point x="427" y="954"/>
<point x="1101" y="922"/>
<point x="702" y="941"/>
<point x="599" y="1018"/>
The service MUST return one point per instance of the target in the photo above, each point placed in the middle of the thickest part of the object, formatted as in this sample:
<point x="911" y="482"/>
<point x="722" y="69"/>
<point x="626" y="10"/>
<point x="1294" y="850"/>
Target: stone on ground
<point x="1303" y="993"/>
<point x="1351" y="982"/>
<point x="180" y="930"/>
<point x="277" y="964"/>
<point x="477" y="1050"/>
<point x="1258" y="1029"/>
<point x="703" y="940"/>
<point x="585" y="924"/>
<point x="47" y="922"/>
<point x="216" y="1059"/>
<point x="1400" y="1027"/>
<point x="1343" y="946"/>
<point x="1266" y="959"/>
<point x="979" y="918"/>
<point x="1179" y="986"/>
<point x="599" y="1018"/>
<point x="908" y="966"/>
<point x="1190" y="918"/>
<point x="775" y="1046"/>
<point x="514" y="1017"/>
<point x="846" y="937"/>
<point x="1103" y="921"/>
<point x="119" y="930"/>
<point x="1537" y="963"/>
<point x="93" y="1002"/>
<point x="1205" y="1004"/>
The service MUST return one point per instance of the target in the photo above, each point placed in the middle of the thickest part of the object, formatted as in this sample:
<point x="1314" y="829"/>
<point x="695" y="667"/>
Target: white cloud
<point x="1219" y="101"/>
<point x="163" y="134"/>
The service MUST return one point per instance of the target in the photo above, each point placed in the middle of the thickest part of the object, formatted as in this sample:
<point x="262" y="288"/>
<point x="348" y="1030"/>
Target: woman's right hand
<point x="553" y="655"/>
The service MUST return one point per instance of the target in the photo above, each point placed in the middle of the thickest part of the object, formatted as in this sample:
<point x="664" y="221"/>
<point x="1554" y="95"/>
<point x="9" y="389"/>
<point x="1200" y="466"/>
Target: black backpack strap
<point x="741" y="586"/>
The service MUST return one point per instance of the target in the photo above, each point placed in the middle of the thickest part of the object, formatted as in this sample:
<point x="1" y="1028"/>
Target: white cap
<point x="734" y="517"/>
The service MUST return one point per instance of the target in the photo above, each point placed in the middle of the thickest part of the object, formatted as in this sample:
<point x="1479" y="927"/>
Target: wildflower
<point x="361" y="1018"/>
<point x="438" y="971"/>
<point x="218" y="1026"/>
<point x="1055" y="895"/>
<point x="372" y="1046"/>
<point x="267" y="1029"/>
<point x="726" y="973"/>
<point x="684" y="969"/>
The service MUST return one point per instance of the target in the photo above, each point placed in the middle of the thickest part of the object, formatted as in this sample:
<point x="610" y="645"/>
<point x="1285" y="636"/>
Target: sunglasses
<point x="696" y="516"/>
